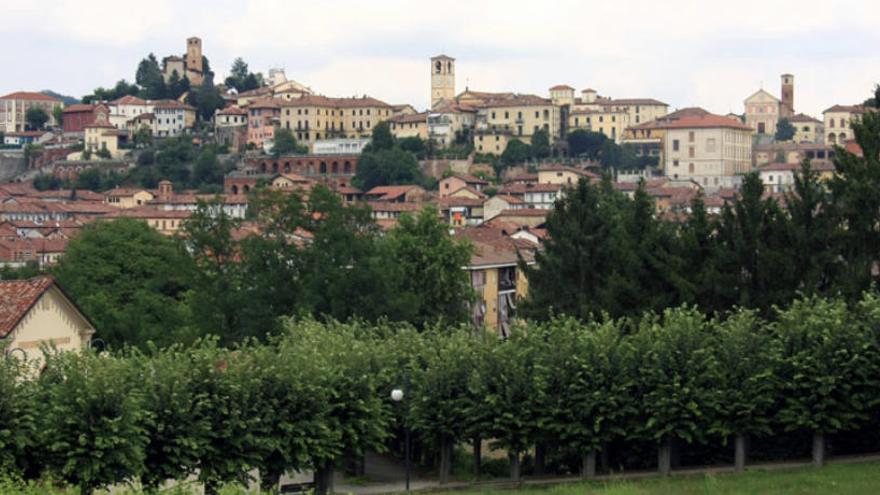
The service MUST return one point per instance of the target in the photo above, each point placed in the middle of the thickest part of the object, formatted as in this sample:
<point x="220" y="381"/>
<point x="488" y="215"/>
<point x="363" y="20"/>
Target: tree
<point x="91" y="427"/>
<point x="387" y="167"/>
<point x="515" y="152"/>
<point x="206" y="98"/>
<point x="177" y="414"/>
<point x="285" y="144"/>
<point x="207" y="169"/>
<point x="430" y="262"/>
<point x="586" y="387"/>
<point x="36" y="118"/>
<point x="704" y="281"/>
<point x="149" y="77"/>
<point x="177" y="85"/>
<point x="675" y="380"/>
<point x="89" y="179"/>
<point x="540" y="144"/>
<point x="130" y="281"/>
<point x="414" y="145"/>
<point x="784" y="130"/>
<point x="103" y="152"/>
<point x="746" y="382"/>
<point x="585" y="143"/>
<point x="382" y="138"/>
<point x="58" y="114"/>
<point x="505" y="383"/>
<point x="853" y="196"/>
<point x="825" y="366"/>
<point x="17" y="418"/>
<point x="143" y="137"/>
<point x="347" y="272"/>
<point x="241" y="79"/>
<point x="45" y="182"/>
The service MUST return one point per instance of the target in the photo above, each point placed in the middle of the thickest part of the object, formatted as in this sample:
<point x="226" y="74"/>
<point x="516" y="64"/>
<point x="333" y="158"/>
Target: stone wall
<point x="11" y="165"/>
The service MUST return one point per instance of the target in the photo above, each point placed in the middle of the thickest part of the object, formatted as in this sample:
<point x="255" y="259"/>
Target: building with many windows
<point x="172" y="118"/>
<point x="312" y="118"/>
<point x="515" y="117"/>
<point x="838" y="122"/>
<point x="711" y="150"/>
<point x="14" y="107"/>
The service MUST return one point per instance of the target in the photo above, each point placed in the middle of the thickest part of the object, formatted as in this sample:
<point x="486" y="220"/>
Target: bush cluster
<point x="320" y="393"/>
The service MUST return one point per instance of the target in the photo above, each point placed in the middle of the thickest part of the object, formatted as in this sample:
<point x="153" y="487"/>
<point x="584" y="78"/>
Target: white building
<point x="124" y="109"/>
<point x="342" y="146"/>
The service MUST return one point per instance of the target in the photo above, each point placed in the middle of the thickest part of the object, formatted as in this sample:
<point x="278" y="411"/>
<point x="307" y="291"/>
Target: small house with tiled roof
<point x="37" y="313"/>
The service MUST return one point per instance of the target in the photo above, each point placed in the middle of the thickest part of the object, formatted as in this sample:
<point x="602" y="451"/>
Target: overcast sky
<point x="706" y="53"/>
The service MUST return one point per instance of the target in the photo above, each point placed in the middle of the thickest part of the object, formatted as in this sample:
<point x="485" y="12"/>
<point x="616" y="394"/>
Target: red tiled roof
<point x="29" y="95"/>
<point x="560" y="87"/>
<point x="470" y="179"/>
<point x="523" y="212"/>
<point x="780" y="167"/>
<point x="509" y="199"/>
<point x="232" y="110"/>
<point x="172" y="105"/>
<point x="707" y="121"/>
<point x="417" y="118"/>
<point x="393" y="207"/>
<point x="79" y="107"/>
<point x="387" y="193"/>
<point x="847" y="108"/>
<point x="129" y="100"/>
<point x="17" y="297"/>
<point x="804" y="118"/>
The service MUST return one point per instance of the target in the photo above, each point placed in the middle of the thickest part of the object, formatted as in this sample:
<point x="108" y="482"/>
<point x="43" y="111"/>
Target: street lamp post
<point x="398" y="395"/>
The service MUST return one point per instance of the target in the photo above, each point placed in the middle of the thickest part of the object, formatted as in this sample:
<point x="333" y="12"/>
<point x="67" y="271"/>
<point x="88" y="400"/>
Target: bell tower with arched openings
<point x="442" y="79"/>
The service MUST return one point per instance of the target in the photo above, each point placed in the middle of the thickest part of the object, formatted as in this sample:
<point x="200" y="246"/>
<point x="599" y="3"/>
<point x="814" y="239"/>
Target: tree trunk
<point x="675" y="453"/>
<point x="445" y="459"/>
<point x="740" y="453"/>
<point x="606" y="458"/>
<point x="664" y="457"/>
<point x="818" y="449"/>
<point x="324" y="478"/>
<point x="269" y="481"/>
<point x="514" y="466"/>
<point x="540" y="459"/>
<point x="478" y="456"/>
<point x="588" y="465"/>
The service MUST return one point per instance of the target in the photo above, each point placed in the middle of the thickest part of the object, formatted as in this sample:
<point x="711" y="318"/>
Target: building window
<point x="674" y="163"/>
<point x="690" y="168"/>
<point x="710" y="145"/>
<point x="675" y="145"/>
<point x="691" y="136"/>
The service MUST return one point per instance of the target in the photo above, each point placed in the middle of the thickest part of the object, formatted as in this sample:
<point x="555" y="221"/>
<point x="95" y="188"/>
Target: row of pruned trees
<point x="319" y="393"/>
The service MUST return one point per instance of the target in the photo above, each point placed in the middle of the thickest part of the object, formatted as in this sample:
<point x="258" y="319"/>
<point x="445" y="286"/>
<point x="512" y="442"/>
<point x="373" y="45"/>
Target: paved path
<point x="428" y="485"/>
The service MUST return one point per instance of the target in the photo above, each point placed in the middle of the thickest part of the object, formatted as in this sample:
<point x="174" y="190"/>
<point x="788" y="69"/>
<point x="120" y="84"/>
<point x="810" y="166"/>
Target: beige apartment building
<point x="711" y="150"/>
<point x="414" y="125"/>
<point x="518" y="117"/>
<point x="807" y="129"/>
<point x="312" y="117"/>
<point x="14" y="107"/>
<point x="838" y="122"/>
<point x="450" y="123"/>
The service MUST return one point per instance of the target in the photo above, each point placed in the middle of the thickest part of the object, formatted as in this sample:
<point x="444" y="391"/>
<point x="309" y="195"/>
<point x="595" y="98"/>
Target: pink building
<point x="263" y="116"/>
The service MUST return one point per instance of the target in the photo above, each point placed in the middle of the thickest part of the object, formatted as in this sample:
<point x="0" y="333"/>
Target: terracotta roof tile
<point x="29" y="95"/>
<point x="17" y="297"/>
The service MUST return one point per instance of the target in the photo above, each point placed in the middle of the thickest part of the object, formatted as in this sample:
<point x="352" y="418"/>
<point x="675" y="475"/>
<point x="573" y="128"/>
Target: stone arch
<point x="286" y="167"/>
<point x="832" y="138"/>
<point x="234" y="189"/>
<point x="274" y="167"/>
<point x="323" y="168"/>
<point x="246" y="189"/>
<point x="841" y="138"/>
<point x="310" y="169"/>
<point x="263" y="168"/>
<point x="346" y="167"/>
<point x="335" y="168"/>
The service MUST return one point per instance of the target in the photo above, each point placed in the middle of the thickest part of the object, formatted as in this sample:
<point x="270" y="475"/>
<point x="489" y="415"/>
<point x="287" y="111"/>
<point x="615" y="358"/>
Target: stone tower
<point x="442" y="79"/>
<point x="194" y="58"/>
<point x="786" y="106"/>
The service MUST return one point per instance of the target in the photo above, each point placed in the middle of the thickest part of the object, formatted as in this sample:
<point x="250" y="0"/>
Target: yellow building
<point x="312" y="117"/>
<point x="762" y="112"/>
<point x="36" y="313"/>
<point x="167" y="222"/>
<point x="838" y="122"/>
<point x="806" y="129"/>
<point x="404" y="126"/>
<point x="517" y="117"/>
<point x="102" y="135"/>
<point x="610" y="121"/>
<point x="496" y="276"/>
<point x="611" y="116"/>
<point x="121" y="197"/>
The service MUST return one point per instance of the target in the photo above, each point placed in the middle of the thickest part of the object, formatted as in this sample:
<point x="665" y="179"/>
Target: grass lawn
<point x="850" y="479"/>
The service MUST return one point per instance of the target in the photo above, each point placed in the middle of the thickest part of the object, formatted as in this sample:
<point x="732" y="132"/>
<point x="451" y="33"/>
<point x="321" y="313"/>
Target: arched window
<point x="286" y="167"/>
<point x="246" y="189"/>
<point x="841" y="137"/>
<point x="323" y="168"/>
<point x="275" y="168"/>
<point x="335" y="168"/>
<point x="310" y="169"/>
<point x="263" y="168"/>
<point x="234" y="189"/>
<point x="832" y="139"/>
<point x="438" y="67"/>
<point x="346" y="167"/>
